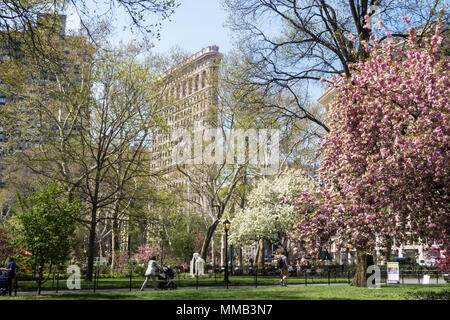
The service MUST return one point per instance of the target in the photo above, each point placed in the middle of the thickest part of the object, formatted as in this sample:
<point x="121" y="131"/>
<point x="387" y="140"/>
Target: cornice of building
<point x="205" y="52"/>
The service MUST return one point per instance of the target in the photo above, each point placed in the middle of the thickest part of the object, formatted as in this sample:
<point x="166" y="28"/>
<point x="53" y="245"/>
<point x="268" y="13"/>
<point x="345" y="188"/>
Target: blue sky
<point x="195" y="25"/>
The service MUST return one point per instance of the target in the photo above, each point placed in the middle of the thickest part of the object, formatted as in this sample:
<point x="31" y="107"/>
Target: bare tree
<point x="144" y="16"/>
<point x="291" y="44"/>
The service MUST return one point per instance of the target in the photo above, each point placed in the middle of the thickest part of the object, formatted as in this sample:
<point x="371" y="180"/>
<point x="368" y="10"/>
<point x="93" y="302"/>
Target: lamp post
<point x="226" y="226"/>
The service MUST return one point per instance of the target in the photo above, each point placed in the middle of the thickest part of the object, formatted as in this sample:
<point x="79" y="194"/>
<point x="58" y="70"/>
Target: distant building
<point x="12" y="49"/>
<point x="190" y="103"/>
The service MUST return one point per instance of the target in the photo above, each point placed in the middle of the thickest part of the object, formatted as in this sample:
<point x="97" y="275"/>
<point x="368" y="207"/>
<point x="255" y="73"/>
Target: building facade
<point x="190" y="104"/>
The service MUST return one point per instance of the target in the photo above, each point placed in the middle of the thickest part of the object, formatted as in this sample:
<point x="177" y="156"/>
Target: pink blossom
<point x="385" y="160"/>
<point x="406" y="19"/>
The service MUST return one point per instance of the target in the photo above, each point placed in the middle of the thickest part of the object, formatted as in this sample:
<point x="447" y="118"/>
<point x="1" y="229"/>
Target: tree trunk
<point x="115" y="232"/>
<point x="256" y="254"/>
<point x="222" y="250"/>
<point x="213" y="254"/>
<point x="129" y="237"/>
<point x="39" y="287"/>
<point x="387" y="253"/>
<point x="39" y="280"/>
<point x="241" y="258"/>
<point x="360" y="279"/>
<point x="207" y="240"/>
<point x="91" y="245"/>
<point x="113" y="251"/>
<point x="261" y="254"/>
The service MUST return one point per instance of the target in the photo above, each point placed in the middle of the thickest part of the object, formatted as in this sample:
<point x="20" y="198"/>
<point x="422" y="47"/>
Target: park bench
<point x="311" y="272"/>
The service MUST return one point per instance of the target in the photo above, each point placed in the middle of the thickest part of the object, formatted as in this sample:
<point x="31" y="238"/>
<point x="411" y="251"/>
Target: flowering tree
<point x="120" y="261"/>
<point x="269" y="212"/>
<point x="385" y="161"/>
<point x="145" y="252"/>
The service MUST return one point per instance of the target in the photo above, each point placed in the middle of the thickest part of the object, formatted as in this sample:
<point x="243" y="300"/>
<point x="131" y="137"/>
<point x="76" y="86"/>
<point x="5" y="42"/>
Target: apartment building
<point x="40" y="80"/>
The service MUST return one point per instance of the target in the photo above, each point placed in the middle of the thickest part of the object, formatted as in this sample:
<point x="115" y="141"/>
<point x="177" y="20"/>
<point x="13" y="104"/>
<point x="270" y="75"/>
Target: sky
<point x="196" y="24"/>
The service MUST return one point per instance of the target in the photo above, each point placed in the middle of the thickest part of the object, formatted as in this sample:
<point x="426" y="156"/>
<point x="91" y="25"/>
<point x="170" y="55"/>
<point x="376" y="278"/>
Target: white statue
<point x="197" y="265"/>
<point x="200" y="266"/>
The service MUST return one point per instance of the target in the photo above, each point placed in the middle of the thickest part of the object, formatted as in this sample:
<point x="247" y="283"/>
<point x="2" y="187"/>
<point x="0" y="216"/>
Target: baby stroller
<point x="166" y="275"/>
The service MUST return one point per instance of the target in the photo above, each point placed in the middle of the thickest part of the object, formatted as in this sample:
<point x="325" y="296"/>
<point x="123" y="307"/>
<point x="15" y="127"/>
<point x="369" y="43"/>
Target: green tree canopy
<point x="46" y="224"/>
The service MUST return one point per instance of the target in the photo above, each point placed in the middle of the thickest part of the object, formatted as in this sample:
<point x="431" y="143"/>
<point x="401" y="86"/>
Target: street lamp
<point x="226" y="226"/>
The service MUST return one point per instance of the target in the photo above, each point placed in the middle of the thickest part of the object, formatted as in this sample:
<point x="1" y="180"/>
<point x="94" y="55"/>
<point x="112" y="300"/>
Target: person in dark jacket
<point x="10" y="273"/>
<point x="284" y="268"/>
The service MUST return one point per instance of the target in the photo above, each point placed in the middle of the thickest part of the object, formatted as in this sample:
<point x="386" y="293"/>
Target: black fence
<point x="215" y="278"/>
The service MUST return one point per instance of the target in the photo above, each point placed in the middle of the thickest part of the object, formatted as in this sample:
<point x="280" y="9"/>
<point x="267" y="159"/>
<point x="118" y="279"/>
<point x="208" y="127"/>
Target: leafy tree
<point x="58" y="118"/>
<point x="268" y="213"/>
<point x="144" y="16"/>
<point x="385" y="162"/>
<point x="97" y="145"/>
<point x="170" y="229"/>
<point x="46" y="224"/>
<point x="7" y="247"/>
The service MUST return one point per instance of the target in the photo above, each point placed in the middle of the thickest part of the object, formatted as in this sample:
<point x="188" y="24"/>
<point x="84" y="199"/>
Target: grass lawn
<point x="338" y="292"/>
<point x="181" y="281"/>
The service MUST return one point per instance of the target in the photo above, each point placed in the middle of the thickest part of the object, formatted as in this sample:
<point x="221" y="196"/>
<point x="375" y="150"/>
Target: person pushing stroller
<point x="150" y="272"/>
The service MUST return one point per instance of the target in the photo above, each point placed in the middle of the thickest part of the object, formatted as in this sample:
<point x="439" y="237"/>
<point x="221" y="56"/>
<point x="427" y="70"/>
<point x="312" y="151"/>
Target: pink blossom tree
<point x="120" y="261"/>
<point x="145" y="252"/>
<point x="384" y="164"/>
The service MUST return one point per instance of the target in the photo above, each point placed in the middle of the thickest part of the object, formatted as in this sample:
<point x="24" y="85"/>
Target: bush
<point x="139" y="270"/>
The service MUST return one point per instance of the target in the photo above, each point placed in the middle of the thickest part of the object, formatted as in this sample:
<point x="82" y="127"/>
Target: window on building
<point x="203" y="79"/>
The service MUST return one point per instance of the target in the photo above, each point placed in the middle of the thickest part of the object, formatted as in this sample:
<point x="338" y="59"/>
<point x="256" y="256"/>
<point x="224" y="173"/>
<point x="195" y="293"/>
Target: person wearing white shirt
<point x="150" y="272"/>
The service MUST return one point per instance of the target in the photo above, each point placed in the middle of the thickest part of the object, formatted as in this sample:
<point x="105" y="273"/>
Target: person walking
<point x="283" y="264"/>
<point x="298" y="266"/>
<point x="150" y="272"/>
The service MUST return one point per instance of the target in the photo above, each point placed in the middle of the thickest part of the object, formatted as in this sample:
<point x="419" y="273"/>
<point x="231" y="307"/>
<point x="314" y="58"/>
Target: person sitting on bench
<point x="10" y="273"/>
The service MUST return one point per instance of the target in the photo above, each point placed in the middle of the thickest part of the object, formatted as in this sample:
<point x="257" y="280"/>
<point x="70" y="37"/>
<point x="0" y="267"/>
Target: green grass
<point x="339" y="292"/>
<point x="181" y="281"/>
